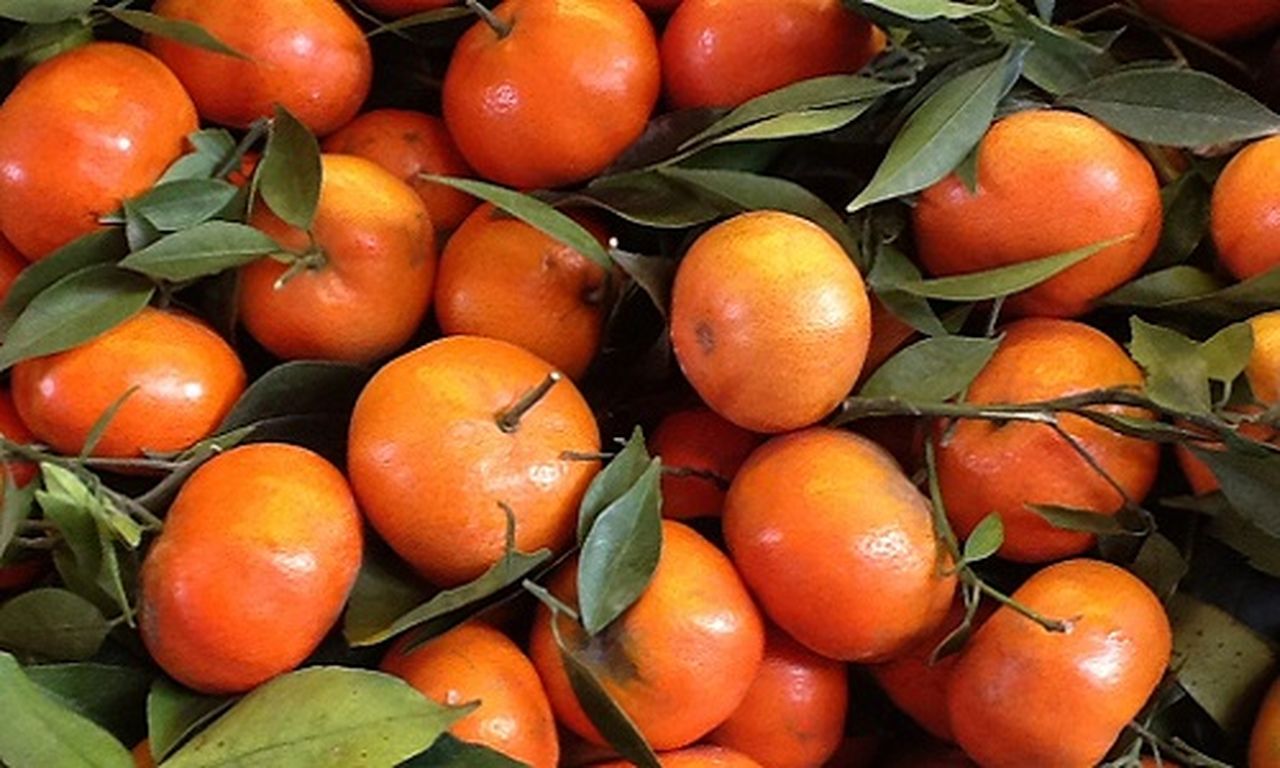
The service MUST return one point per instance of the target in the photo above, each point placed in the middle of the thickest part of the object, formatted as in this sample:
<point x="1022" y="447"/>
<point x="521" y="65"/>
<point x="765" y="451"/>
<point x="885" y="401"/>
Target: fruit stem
<point x="1051" y="625"/>
<point x="499" y="27"/>
<point x="256" y="131"/>
<point x="509" y="420"/>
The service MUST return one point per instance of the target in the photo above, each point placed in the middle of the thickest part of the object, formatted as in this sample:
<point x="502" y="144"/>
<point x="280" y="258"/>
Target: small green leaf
<point x="1227" y="353"/>
<point x="102" y="247"/>
<point x="938" y="135"/>
<point x="76" y="309"/>
<point x="289" y="174"/>
<point x="298" y="387"/>
<point x="39" y="732"/>
<point x="180" y="30"/>
<point x="52" y="623"/>
<point x="985" y="540"/>
<point x="451" y="752"/>
<point x="621" y="552"/>
<point x="793" y="125"/>
<point x="38" y="42"/>
<point x="1186" y="220"/>
<point x="533" y="212"/>
<point x="212" y="147"/>
<point x="184" y="203"/>
<point x="612" y="482"/>
<point x="1177" y="374"/>
<point x="932" y="370"/>
<point x="15" y="507"/>
<point x="43" y="11"/>
<point x="112" y="696"/>
<point x="1060" y="59"/>
<point x="1160" y="565"/>
<point x="927" y="10"/>
<point x="321" y="717"/>
<point x="138" y="229"/>
<point x="205" y="249"/>
<point x="1173" y="106"/>
<point x="174" y="713"/>
<point x="1079" y="520"/>
<point x="891" y="269"/>
<point x="1002" y="281"/>
<point x="651" y="199"/>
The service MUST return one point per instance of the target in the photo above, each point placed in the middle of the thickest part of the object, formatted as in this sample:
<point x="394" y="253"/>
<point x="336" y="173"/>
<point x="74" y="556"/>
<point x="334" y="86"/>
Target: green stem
<point x="499" y="27"/>
<point x="256" y="131"/>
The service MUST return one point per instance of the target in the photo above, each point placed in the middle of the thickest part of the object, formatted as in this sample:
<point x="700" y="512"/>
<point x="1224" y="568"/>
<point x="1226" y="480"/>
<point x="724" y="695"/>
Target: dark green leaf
<point x="37" y="731"/>
<point x="938" y="135"/>
<point x="926" y="10"/>
<point x="77" y="308"/>
<point x="1060" y="59"/>
<point x="1168" y="287"/>
<point x="94" y="248"/>
<point x="535" y="213"/>
<point x="174" y="713"/>
<point x="651" y="199"/>
<point x="1250" y="482"/>
<point x="139" y="232"/>
<point x="15" y="507"/>
<point x="931" y="370"/>
<point x="796" y="124"/>
<point x="385" y="590"/>
<point x="38" y="42"/>
<point x="621" y="552"/>
<point x="1221" y="663"/>
<point x="612" y="482"/>
<point x="205" y="249"/>
<point x="1001" y="281"/>
<point x="184" y="203"/>
<point x="1079" y="520"/>
<point x="1160" y="565"/>
<point x="289" y="173"/>
<point x="451" y="752"/>
<point x="112" y="696"/>
<point x="321" y="717"/>
<point x="1229" y="527"/>
<point x="298" y="387"/>
<point x="174" y="29"/>
<point x="1186" y="220"/>
<point x="655" y="275"/>
<point x="891" y="269"/>
<point x="43" y="11"/>
<point x="985" y="540"/>
<point x="1173" y="106"/>
<point x="52" y="623"/>
<point x="1177" y="375"/>
<point x="1227" y="353"/>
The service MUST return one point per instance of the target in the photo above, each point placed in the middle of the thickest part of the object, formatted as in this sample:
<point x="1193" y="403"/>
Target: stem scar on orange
<point x="444" y="435"/>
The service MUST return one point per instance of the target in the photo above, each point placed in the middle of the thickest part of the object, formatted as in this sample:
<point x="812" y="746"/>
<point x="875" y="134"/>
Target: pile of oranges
<point x="796" y="556"/>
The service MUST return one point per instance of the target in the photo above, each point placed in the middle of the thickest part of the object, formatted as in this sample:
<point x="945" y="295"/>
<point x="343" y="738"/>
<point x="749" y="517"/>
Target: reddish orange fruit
<point x="476" y="663"/>
<point x="826" y="512"/>
<point x="720" y="53"/>
<point x="769" y="321"/>
<point x="1216" y="20"/>
<point x="793" y="714"/>
<point x="259" y="552"/>
<point x="184" y="378"/>
<point x="1264" y="742"/>
<point x="701" y="453"/>
<point x="986" y="467"/>
<point x="399" y="8"/>
<point x="1048" y="182"/>
<point x="1022" y="695"/>
<point x="697" y="757"/>
<point x="79" y="134"/>
<point x="142" y="755"/>
<point x="679" y="661"/>
<point x="531" y="108"/>
<point x="11" y="265"/>
<point x="433" y="454"/>
<point x="410" y="144"/>
<point x="372" y="285"/>
<point x="503" y="279"/>
<point x="306" y="55"/>
<point x="1244" y="216"/>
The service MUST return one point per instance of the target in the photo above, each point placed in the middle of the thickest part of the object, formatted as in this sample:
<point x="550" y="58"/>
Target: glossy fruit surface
<point x="1244" y="216"/>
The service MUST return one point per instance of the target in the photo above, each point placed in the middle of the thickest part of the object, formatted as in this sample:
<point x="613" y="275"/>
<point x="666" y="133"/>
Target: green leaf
<point x="650" y="199"/>
<point x="985" y="540"/>
<point x="932" y="370"/>
<point x="112" y="696"/>
<point x="938" y="135"/>
<point x="103" y="421"/>
<point x="212" y="147"/>
<point x="927" y="10"/>
<point x="533" y="212"/>
<point x="384" y="591"/>
<point x="891" y="269"/>
<point x="205" y="249"/>
<point x="1186" y="220"/>
<point x="39" y="732"/>
<point x="1166" y="288"/>
<point x="1045" y="9"/>
<point x="39" y="42"/>
<point x="1079" y="520"/>
<point x="621" y="552"/>
<point x="1251" y="482"/>
<point x="1059" y="60"/>
<point x="1222" y="664"/>
<point x="138" y="229"/>
<point x="289" y="174"/>
<point x="298" y="387"/>
<point x="1177" y="374"/>
<point x="1160" y="565"/>
<point x="321" y="717"/>
<point x="76" y="309"/>
<point x="43" y="11"/>
<point x="611" y="483"/>
<point x="1173" y="106"/>
<point x="174" y="713"/>
<point x="451" y="752"/>
<point x="655" y="275"/>
<point x="100" y="247"/>
<point x="184" y="203"/>
<point x="1229" y="527"/>
<point x="1002" y="281"/>
<point x="180" y="30"/>
<point x="53" y="624"/>
<point x="15" y="507"/>
<point x="793" y="125"/>
<point x="1227" y="353"/>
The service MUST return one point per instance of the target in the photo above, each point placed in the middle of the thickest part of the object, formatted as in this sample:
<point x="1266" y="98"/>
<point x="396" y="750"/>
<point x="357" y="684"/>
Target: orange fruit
<point x="986" y="467"/>
<point x="1048" y="182"/>
<point x="306" y="55"/>
<point x="1244" y="215"/>
<point x="826" y="512"/>
<point x="679" y="661"/>
<point x="399" y="8"/>
<point x="530" y="108"/>
<point x="475" y="662"/>
<point x="503" y="279"/>
<point x="1216" y="20"/>
<point x="410" y="144"/>
<point x="185" y="379"/>
<point x="11" y="265"/>
<point x="793" y="714"/>
<point x="1022" y="695"/>
<point x="699" y="441"/>
<point x="142" y="755"/>
<point x="431" y="460"/>
<point x="697" y="757"/>
<point x="1264" y="742"/>
<point x="888" y="335"/>
<point x="769" y="321"/>
<point x="258" y="554"/>
<point x="720" y="53"/>
<point x="372" y="287"/>
<point x="79" y="134"/>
